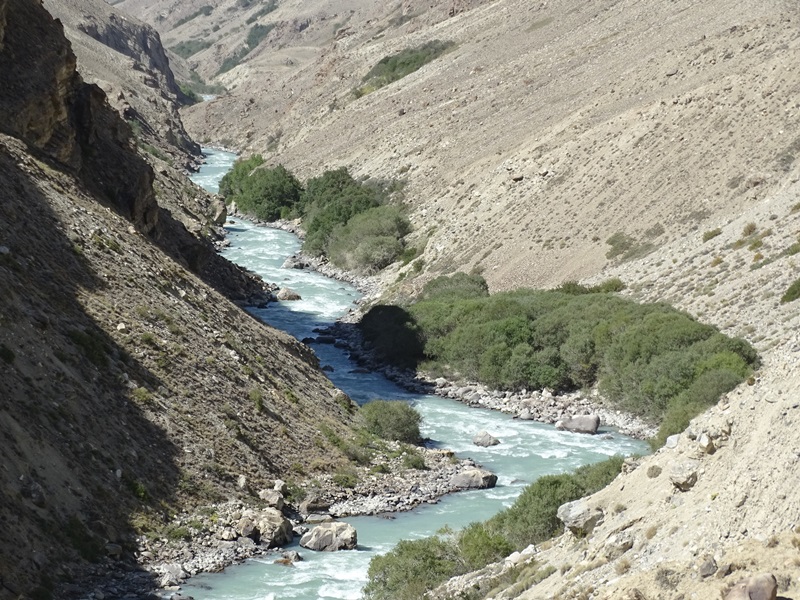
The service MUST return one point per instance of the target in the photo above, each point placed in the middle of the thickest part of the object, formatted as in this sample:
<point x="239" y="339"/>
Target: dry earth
<point x="660" y="120"/>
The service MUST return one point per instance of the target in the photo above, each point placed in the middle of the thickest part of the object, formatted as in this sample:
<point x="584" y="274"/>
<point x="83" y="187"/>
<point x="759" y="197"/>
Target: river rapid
<point x="527" y="450"/>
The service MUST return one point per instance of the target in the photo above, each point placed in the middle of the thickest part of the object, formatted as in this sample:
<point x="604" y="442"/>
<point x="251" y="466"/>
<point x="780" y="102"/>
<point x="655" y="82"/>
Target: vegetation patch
<point x="415" y="567"/>
<point x="648" y="359"/>
<point x="392" y="420"/>
<point x="254" y="37"/>
<point x="202" y="11"/>
<point x="7" y="354"/>
<point x="792" y="293"/>
<point x="349" y="221"/>
<point x="188" y="48"/>
<point x="264" y="10"/>
<point x="92" y="345"/>
<point x="396" y="66"/>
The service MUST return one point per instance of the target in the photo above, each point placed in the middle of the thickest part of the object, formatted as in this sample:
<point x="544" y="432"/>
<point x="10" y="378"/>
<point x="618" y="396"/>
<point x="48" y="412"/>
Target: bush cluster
<point x="392" y="420"/>
<point x="649" y="359"/>
<point x="347" y="220"/>
<point x="394" y="67"/>
<point x="414" y="567"/>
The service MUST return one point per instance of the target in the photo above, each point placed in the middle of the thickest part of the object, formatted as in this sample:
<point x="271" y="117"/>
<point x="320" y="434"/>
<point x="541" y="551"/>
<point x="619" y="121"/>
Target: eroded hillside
<point x="129" y="387"/>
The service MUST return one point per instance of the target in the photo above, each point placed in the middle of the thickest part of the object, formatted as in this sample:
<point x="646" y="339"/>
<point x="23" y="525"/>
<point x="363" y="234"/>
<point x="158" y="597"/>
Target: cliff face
<point x="126" y="58"/>
<point x="127" y="383"/>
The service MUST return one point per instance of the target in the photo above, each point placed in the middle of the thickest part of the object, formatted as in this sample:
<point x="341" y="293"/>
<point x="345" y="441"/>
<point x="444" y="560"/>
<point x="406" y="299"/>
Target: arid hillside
<point x="131" y="386"/>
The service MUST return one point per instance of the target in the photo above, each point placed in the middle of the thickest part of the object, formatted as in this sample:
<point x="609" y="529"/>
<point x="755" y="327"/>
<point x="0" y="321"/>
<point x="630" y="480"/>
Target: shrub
<point x="394" y="67"/>
<point x="370" y="240"/>
<point x="93" y="346"/>
<point x="203" y="10"/>
<point x="792" y="293"/>
<point x="265" y="193"/>
<point x="410" y="569"/>
<point x="456" y="286"/>
<point x="749" y="229"/>
<point x="188" y="48"/>
<point x="393" y="334"/>
<point x="345" y="478"/>
<point x="711" y="234"/>
<point x="7" y="354"/>
<point x="392" y="420"/>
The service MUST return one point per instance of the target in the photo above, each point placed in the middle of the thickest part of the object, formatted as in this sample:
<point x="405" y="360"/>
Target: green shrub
<point x="264" y="10"/>
<point x="392" y="420"/>
<point x="792" y="293"/>
<point x="414" y="460"/>
<point x="711" y="234"/>
<point x="345" y="478"/>
<point x="370" y="240"/>
<point x="93" y="346"/>
<point x="410" y="569"/>
<point x="265" y="193"/>
<point x="255" y="36"/>
<point x="642" y="356"/>
<point x="394" y="67"/>
<point x="188" y="48"/>
<point x="415" y="567"/>
<point x="203" y="10"/>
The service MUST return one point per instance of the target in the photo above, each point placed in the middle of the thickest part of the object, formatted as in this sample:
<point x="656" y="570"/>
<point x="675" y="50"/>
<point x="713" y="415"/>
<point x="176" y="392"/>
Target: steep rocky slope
<point x="125" y="58"/>
<point x="129" y="387"/>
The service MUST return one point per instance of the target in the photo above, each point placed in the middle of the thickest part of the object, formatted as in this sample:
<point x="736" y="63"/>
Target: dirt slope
<point x="129" y="388"/>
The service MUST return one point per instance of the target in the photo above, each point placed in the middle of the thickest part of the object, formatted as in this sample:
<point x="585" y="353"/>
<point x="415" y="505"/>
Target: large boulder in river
<point x="580" y="424"/>
<point x="329" y="537"/>
<point x="287" y="294"/>
<point x="273" y="528"/>
<point x="474" y="479"/>
<point x="485" y="439"/>
<point x="579" y="517"/>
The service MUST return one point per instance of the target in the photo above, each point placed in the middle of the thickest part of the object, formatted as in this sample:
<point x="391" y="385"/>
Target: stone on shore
<point x="474" y="479"/>
<point x="330" y="537"/>
<point x="485" y="439"/>
<point x="683" y="475"/>
<point x="288" y="294"/>
<point x="580" y="424"/>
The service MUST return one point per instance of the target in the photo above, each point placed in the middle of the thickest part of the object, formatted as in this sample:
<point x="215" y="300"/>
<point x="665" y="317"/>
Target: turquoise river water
<point x="527" y="451"/>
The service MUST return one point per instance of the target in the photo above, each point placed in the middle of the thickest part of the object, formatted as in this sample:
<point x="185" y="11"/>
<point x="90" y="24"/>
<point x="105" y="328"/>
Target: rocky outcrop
<point x="288" y="295"/>
<point x="330" y="537"/>
<point x="474" y="479"/>
<point x="580" y="424"/>
<point x="758" y="587"/>
<point x="485" y="439"/>
<point x="579" y="517"/>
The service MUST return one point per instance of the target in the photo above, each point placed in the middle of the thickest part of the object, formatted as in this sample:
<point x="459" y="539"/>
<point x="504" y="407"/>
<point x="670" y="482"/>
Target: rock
<point x="273" y="528"/>
<point x="672" y="441"/>
<point x="683" y="475"/>
<point x="485" y="439"/>
<point x="113" y="550"/>
<point x="121" y="327"/>
<point x="526" y="415"/>
<point x="5" y="250"/>
<point x="280" y="486"/>
<point x="246" y="527"/>
<point x="288" y="294"/>
<point x="314" y="504"/>
<point x="241" y="482"/>
<point x="763" y="586"/>
<point x="292" y="555"/>
<point x="474" y="479"/>
<point x="653" y="471"/>
<point x="617" y="545"/>
<point x="580" y="424"/>
<point x="708" y="566"/>
<point x="329" y="537"/>
<point x="273" y="498"/>
<point x="228" y="534"/>
<point x="706" y="443"/>
<point x="294" y="262"/>
<point x="325" y="339"/>
<point x="579" y="517"/>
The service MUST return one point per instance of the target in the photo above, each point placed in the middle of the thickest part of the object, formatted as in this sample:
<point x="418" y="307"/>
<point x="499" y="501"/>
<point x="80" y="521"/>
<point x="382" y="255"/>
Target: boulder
<point x="273" y="528"/>
<point x="526" y="415"/>
<point x="329" y="537"/>
<point x="579" y="517"/>
<point x="763" y="586"/>
<point x="474" y="479"/>
<point x="683" y="475"/>
<point x="288" y="294"/>
<point x="580" y="424"/>
<point x="294" y="262"/>
<point x="314" y="504"/>
<point x="273" y="498"/>
<point x="485" y="439"/>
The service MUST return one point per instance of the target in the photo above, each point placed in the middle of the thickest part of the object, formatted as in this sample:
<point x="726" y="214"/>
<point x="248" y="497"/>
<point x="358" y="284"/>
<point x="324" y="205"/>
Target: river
<point x="527" y="451"/>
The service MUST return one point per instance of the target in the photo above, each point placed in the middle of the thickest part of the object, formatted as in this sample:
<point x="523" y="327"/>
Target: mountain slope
<point x="128" y="385"/>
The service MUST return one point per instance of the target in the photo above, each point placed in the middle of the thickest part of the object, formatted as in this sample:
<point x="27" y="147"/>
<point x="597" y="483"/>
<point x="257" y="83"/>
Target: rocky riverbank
<point x="398" y="478"/>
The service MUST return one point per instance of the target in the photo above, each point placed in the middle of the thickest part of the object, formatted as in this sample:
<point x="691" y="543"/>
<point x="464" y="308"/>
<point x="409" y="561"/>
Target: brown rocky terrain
<point x="548" y="129"/>
<point x="130" y="388"/>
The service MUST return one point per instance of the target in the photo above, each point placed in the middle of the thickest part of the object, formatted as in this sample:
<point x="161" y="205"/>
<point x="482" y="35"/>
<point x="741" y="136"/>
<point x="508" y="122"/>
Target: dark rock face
<point x="45" y="103"/>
